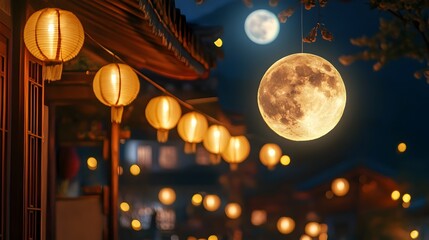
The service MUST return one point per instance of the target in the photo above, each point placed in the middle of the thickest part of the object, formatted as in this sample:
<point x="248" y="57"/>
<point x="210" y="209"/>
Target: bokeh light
<point x="197" y="199"/>
<point x="402" y="147"/>
<point x="135" y="169"/>
<point x="395" y="195"/>
<point x="124" y="206"/>
<point x="92" y="163"/>
<point x="136" y="225"/>
<point x="414" y="234"/>
<point x="285" y="160"/>
<point x="218" y="43"/>
<point x="406" y="198"/>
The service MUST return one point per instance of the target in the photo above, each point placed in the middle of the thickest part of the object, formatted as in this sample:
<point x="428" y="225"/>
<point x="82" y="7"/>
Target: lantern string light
<point x="153" y="83"/>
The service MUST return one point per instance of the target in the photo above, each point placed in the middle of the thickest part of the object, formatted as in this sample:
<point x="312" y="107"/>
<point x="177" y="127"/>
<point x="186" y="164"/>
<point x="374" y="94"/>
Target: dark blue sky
<point x="383" y="108"/>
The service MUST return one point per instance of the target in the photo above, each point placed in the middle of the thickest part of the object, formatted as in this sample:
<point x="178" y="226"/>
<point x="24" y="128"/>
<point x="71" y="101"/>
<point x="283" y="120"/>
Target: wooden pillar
<point x="16" y="154"/>
<point x="114" y="158"/>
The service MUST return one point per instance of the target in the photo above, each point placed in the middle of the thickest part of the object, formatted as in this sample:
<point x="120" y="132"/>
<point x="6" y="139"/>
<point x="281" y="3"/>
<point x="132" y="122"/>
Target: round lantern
<point x="211" y="202"/>
<point x="270" y="155"/>
<point x="215" y="141"/>
<point x="233" y="210"/>
<point x="312" y="229"/>
<point x="167" y="196"/>
<point x="54" y="36"/>
<point x="236" y="151"/>
<point x="163" y="113"/>
<point x="340" y="187"/>
<point x="116" y="85"/>
<point x="191" y="128"/>
<point x="285" y="225"/>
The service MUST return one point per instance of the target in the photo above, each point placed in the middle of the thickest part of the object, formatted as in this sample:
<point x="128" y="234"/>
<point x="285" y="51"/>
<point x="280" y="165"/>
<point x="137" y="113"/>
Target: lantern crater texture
<point x="301" y="97"/>
<point x="54" y="36"/>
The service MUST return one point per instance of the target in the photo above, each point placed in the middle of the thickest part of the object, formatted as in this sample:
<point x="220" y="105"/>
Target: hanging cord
<point x="153" y="83"/>
<point x="302" y="26"/>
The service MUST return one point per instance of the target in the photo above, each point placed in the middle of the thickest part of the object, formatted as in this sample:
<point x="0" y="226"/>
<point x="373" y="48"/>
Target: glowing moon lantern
<point x="215" y="141"/>
<point x="262" y="26"/>
<point x="301" y="97"/>
<point x="167" y="196"/>
<point x="285" y="225"/>
<point x="340" y="187"/>
<point x="233" y="210"/>
<point x="54" y="36"/>
<point x="163" y="113"/>
<point x="211" y="202"/>
<point x="191" y="128"/>
<point x="270" y="155"/>
<point x="116" y="85"/>
<point x="236" y="151"/>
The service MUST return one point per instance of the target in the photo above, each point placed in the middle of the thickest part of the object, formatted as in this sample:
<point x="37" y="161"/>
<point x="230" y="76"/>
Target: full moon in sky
<point x="262" y="26"/>
<point x="302" y="97"/>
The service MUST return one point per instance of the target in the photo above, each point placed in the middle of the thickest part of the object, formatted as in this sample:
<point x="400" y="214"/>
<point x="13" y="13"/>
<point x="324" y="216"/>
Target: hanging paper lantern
<point x="215" y="141"/>
<point x="270" y="155"/>
<point x="285" y="225"/>
<point x="54" y="36"/>
<point x="211" y="202"/>
<point x="116" y="85"/>
<point x="236" y="151"/>
<point x="340" y="187"/>
<point x="167" y="196"/>
<point x="163" y="113"/>
<point x="233" y="210"/>
<point x="191" y="128"/>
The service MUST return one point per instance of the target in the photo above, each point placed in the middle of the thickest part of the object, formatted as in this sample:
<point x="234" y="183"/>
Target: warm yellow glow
<point x="191" y="128"/>
<point x="340" y="187"/>
<point x="191" y="238"/>
<point x="312" y="229"/>
<point x="167" y="196"/>
<point x="406" y="204"/>
<point x="124" y="206"/>
<point x="116" y="85"/>
<point x="414" y="234"/>
<point x="120" y="170"/>
<point x="236" y="151"/>
<point x="216" y="139"/>
<point x="135" y="169"/>
<point x="233" y="210"/>
<point x="211" y="202"/>
<point x="285" y="160"/>
<point x="402" y="147"/>
<point x="163" y="113"/>
<point x="53" y="35"/>
<point x="218" y="42"/>
<point x="285" y="225"/>
<point x="292" y="106"/>
<point x="258" y="217"/>
<point x="305" y="237"/>
<point x="323" y="227"/>
<point x="323" y="236"/>
<point x="136" y="225"/>
<point x="197" y="199"/>
<point x="92" y="163"/>
<point x="212" y="237"/>
<point x="406" y="198"/>
<point x="395" y="195"/>
<point x="270" y="155"/>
